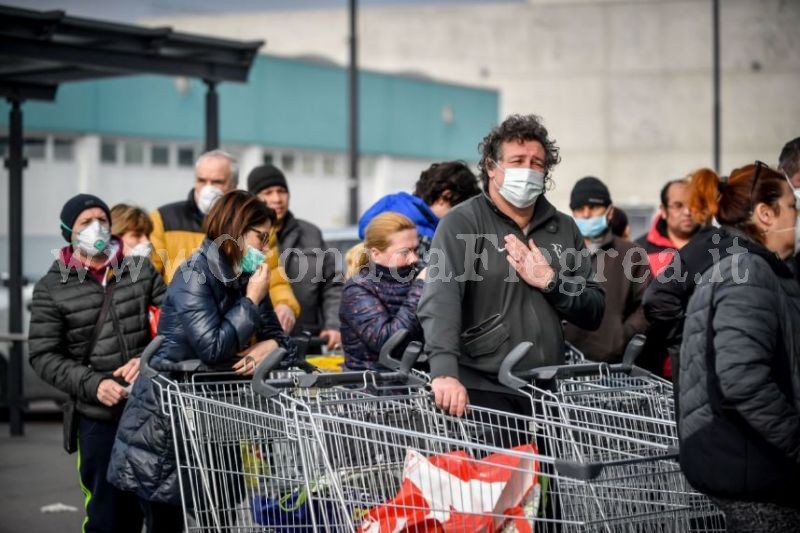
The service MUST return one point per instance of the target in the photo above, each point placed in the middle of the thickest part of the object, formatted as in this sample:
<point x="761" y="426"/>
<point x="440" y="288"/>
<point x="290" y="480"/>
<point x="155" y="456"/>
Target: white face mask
<point x="93" y="239"/>
<point x="143" y="249"/>
<point x="521" y="186"/>
<point x="208" y="195"/>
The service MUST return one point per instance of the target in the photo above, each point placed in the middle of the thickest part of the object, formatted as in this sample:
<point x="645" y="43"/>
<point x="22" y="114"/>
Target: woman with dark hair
<point x="217" y="310"/>
<point x="739" y="374"/>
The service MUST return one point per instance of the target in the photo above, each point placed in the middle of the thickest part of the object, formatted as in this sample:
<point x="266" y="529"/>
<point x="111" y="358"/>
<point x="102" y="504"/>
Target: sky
<point x="130" y="11"/>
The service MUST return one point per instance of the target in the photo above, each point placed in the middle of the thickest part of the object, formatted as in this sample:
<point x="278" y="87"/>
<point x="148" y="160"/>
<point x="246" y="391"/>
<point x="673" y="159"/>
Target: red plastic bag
<point x="154" y="314"/>
<point x="453" y="492"/>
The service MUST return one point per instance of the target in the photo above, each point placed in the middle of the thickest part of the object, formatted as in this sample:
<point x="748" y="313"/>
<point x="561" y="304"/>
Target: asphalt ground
<point x="36" y="472"/>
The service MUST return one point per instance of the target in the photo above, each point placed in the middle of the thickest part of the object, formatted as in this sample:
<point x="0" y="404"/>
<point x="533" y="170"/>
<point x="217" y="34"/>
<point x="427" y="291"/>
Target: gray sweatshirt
<point x="475" y="308"/>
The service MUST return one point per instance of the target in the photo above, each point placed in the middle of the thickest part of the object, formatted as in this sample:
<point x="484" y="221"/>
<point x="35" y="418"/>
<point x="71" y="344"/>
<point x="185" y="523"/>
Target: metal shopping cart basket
<point x="240" y="464"/>
<point x="615" y="401"/>
<point x="399" y="464"/>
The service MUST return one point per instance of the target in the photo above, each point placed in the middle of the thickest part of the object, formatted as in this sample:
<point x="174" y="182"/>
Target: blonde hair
<point x="377" y="235"/>
<point x="352" y="259"/>
<point x="125" y="218"/>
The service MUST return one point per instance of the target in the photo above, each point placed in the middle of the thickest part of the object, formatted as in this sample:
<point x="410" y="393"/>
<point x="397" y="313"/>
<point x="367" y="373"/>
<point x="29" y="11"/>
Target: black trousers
<point x="108" y="509"/>
<point x="162" y="517"/>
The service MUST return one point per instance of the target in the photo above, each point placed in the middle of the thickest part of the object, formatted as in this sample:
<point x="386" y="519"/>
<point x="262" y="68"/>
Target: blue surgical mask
<point x="592" y="227"/>
<point x="251" y="260"/>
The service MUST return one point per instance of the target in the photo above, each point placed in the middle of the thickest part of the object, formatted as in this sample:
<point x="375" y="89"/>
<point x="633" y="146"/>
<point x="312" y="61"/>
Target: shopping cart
<point x="621" y="387"/>
<point x="616" y="401"/>
<point x="396" y="463"/>
<point x="240" y="464"/>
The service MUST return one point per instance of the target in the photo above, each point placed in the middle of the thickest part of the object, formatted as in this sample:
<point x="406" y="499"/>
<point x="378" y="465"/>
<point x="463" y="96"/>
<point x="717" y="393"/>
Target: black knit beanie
<point x="265" y="176"/>
<point x="77" y="205"/>
<point x="589" y="191"/>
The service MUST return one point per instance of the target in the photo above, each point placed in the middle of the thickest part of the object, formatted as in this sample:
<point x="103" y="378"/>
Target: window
<point x="268" y="158"/>
<point x="34" y="148"/>
<point x="329" y="165"/>
<point x="186" y="156"/>
<point x="63" y="149"/>
<point x="307" y="163"/>
<point x="159" y="155"/>
<point x="108" y="152"/>
<point x="134" y="153"/>
<point x="287" y="162"/>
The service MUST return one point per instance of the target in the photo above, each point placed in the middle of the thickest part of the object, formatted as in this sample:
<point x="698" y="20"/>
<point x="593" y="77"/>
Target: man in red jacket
<point x="672" y="227"/>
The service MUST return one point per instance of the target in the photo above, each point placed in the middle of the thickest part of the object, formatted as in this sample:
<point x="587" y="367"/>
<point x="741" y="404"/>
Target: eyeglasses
<point x="263" y="236"/>
<point x="677" y="206"/>
<point x="759" y="166"/>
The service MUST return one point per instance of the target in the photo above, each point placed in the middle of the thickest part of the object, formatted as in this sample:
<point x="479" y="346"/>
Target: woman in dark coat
<point x="381" y="298"/>
<point x="217" y="309"/>
<point x="740" y="359"/>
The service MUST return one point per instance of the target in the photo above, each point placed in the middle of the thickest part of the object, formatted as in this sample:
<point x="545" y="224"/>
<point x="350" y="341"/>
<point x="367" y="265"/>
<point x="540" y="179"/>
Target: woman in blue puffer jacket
<point x="381" y="297"/>
<point x="217" y="309"/>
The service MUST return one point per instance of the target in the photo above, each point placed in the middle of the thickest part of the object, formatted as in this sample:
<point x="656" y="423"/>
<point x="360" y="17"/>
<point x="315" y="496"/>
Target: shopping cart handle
<point x="634" y="349"/>
<point x="267" y="365"/>
<point x="506" y="374"/>
<point x="145" y="369"/>
<point x="390" y="350"/>
<point x="588" y="471"/>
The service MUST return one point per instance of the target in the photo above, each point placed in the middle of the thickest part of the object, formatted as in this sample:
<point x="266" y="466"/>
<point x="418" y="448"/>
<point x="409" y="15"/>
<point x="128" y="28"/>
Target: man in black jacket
<point x="505" y="267"/>
<point x="89" y="324"/>
<point x="313" y="272"/>
<point x="789" y="164"/>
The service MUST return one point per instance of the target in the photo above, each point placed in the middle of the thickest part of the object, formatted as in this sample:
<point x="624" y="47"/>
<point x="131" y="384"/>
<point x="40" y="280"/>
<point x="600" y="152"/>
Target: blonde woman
<point x="381" y="297"/>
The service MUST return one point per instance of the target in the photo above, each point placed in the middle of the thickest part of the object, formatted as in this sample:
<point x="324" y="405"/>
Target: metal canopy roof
<point x="41" y="49"/>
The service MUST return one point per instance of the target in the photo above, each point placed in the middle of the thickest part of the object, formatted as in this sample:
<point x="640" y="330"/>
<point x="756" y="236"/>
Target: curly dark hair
<point x="453" y="179"/>
<point x="516" y="128"/>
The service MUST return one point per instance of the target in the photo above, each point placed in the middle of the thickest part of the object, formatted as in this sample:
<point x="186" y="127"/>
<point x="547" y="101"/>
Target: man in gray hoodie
<point x="505" y="267"/>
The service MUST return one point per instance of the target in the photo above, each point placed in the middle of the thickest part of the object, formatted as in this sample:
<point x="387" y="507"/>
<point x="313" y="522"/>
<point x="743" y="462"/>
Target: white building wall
<point x="318" y="193"/>
<point x="623" y="85"/>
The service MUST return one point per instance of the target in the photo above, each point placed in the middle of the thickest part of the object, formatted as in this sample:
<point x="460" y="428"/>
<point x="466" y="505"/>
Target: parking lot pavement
<point x="35" y="472"/>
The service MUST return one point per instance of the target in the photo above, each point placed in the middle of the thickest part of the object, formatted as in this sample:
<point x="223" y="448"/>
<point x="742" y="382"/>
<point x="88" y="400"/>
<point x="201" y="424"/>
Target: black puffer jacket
<point x="205" y="316"/>
<point x="666" y="298"/>
<point x="64" y="312"/>
<point x="316" y="280"/>
<point x="740" y="401"/>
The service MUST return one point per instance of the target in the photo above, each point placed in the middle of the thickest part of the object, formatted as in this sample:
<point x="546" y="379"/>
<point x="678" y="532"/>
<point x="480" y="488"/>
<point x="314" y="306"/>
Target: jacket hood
<point x="406" y="204"/>
<point x="657" y="234"/>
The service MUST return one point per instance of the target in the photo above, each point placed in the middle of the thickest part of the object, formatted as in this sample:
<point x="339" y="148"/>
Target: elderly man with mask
<point x="178" y="230"/>
<point x="621" y="268"/>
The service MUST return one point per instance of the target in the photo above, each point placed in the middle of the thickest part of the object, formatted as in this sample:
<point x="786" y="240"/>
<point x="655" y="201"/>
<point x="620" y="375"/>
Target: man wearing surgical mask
<point x="178" y="230"/>
<point x="89" y="325"/>
<point x="621" y="268"/>
<point x="505" y="267"/>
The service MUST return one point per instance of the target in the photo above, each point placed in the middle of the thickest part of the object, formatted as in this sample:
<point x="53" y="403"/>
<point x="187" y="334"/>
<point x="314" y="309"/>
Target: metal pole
<point x="352" y="82"/>
<point x="212" y="116"/>
<point x="717" y="110"/>
<point x="15" y="164"/>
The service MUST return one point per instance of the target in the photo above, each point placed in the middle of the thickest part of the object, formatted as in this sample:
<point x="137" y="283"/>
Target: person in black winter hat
<point x="77" y="205"/>
<point x="89" y="325"/>
<point x="622" y="271"/>
<point x="304" y="256"/>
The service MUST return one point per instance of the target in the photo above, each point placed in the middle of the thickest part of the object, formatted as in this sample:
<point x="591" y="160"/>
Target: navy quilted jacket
<point x="204" y="316"/>
<point x="376" y="303"/>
